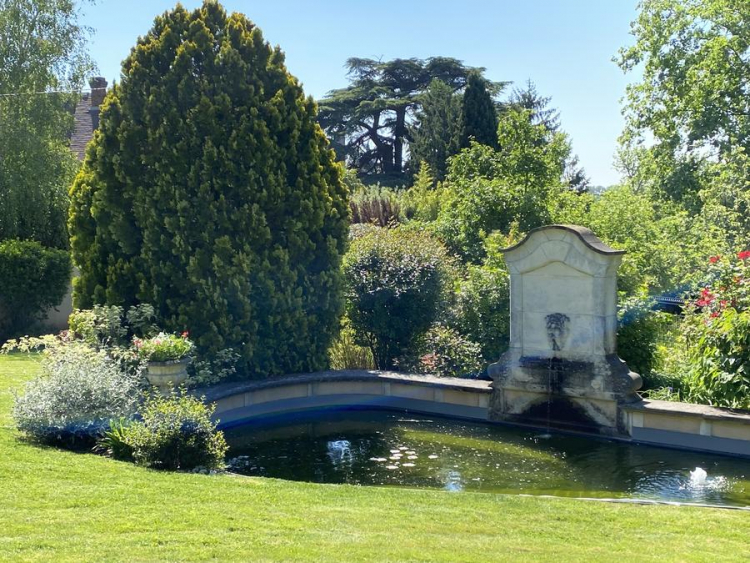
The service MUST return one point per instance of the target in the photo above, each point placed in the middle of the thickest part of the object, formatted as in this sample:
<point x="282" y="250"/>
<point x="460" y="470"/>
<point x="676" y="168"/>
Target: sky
<point x="565" y="47"/>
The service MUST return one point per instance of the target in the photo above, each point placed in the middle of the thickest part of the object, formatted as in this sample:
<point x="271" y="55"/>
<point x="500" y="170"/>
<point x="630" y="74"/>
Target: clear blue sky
<point x="564" y="46"/>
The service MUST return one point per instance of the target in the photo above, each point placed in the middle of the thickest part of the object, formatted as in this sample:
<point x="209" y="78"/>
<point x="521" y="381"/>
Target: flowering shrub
<point x="175" y="432"/>
<point x="163" y="347"/>
<point x="716" y="331"/>
<point x="81" y="390"/>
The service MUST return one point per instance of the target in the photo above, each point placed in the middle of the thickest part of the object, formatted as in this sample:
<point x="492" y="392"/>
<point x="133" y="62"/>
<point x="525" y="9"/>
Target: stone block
<point x="731" y="429"/>
<point x="660" y="421"/>
<point x="279" y="393"/>
<point x="348" y="388"/>
<point x="230" y="403"/>
<point x="465" y="398"/>
<point x="419" y="392"/>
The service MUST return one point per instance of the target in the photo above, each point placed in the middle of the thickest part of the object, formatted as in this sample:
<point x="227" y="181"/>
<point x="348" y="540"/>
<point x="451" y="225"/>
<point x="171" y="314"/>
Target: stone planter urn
<point x="166" y="375"/>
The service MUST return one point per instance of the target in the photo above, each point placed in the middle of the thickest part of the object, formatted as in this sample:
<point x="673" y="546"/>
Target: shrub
<point x="175" y="432"/>
<point x="639" y="330"/>
<point x="210" y="371"/>
<point x="80" y="392"/>
<point x="716" y="331"/>
<point x="163" y="347"/>
<point x="32" y="279"/>
<point x="397" y="282"/>
<point x="114" y="442"/>
<point x="375" y="205"/>
<point x="421" y="202"/>
<point x="482" y="309"/>
<point x="105" y="326"/>
<point x="211" y="192"/>
<point x="444" y="352"/>
<point x="345" y="353"/>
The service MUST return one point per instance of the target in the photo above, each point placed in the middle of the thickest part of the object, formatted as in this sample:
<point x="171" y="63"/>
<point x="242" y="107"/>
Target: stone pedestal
<point x="561" y="369"/>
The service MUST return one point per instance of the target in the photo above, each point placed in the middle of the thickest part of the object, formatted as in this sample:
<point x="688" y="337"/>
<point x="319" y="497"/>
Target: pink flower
<point x="744" y="255"/>
<point x="185" y="334"/>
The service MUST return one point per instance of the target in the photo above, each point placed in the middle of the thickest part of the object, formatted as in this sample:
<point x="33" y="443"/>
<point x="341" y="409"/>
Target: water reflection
<point x="377" y="448"/>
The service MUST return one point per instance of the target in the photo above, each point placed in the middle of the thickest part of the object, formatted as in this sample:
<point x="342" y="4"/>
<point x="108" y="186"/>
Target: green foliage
<point x="716" y="334"/>
<point x="369" y="120"/>
<point x="42" y="48"/>
<point x="488" y="189"/>
<point x="174" y="432"/>
<point x="210" y="192"/>
<point x="688" y="118"/>
<point x="536" y="106"/>
<point x="444" y="352"/>
<point x="436" y="133"/>
<point x="482" y="307"/>
<point x="666" y="248"/>
<point x="376" y="205"/>
<point x="396" y="283"/>
<point x="421" y="202"/>
<point x="693" y="93"/>
<point x="32" y="279"/>
<point x="478" y="114"/>
<point x="114" y="441"/>
<point x="107" y="326"/>
<point x="164" y="347"/>
<point x="345" y="353"/>
<point x="639" y="330"/>
<point x="80" y="391"/>
<point x="209" y="371"/>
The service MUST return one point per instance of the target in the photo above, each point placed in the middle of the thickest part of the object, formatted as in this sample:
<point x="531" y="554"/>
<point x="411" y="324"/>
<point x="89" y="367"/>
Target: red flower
<point x="714" y="259"/>
<point x="744" y="255"/>
<point x="715" y="314"/>
<point x="185" y="334"/>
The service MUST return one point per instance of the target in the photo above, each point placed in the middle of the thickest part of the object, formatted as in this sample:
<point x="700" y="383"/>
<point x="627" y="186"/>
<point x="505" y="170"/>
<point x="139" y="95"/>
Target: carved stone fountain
<point x="561" y="369"/>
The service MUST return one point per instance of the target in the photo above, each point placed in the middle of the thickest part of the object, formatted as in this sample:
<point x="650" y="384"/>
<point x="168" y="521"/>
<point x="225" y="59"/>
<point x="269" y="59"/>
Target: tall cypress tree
<point x="210" y="192"/>
<point x="479" y="114"/>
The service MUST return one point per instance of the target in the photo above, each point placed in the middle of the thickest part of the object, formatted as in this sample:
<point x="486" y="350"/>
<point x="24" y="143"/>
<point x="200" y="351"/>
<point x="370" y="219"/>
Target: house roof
<point x="86" y="116"/>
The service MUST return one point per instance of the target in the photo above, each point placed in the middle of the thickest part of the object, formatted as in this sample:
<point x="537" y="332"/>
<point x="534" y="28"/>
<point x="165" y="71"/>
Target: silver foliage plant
<point x="80" y="391"/>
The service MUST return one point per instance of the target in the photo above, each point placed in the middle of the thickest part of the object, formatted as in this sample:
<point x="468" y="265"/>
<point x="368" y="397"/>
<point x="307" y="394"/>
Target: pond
<point x="403" y="450"/>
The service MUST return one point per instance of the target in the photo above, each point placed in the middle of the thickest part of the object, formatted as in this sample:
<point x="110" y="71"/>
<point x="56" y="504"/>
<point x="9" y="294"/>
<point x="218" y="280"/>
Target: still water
<point x="403" y="450"/>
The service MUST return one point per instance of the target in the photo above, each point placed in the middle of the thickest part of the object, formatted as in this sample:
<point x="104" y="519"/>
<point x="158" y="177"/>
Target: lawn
<point x="63" y="506"/>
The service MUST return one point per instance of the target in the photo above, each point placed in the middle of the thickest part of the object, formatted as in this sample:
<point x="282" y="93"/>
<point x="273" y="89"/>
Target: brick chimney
<point x="98" y="86"/>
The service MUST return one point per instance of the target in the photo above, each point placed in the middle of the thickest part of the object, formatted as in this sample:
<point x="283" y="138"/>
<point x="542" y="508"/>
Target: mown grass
<point x="62" y="506"/>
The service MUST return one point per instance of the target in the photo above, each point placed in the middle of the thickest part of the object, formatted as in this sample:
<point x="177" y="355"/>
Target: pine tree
<point x="210" y="192"/>
<point x="479" y="113"/>
<point x="437" y="133"/>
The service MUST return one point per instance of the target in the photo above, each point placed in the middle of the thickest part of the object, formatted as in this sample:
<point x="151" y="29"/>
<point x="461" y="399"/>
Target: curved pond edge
<point x="661" y="423"/>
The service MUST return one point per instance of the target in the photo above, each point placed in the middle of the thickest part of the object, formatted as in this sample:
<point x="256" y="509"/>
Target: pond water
<point x="395" y="449"/>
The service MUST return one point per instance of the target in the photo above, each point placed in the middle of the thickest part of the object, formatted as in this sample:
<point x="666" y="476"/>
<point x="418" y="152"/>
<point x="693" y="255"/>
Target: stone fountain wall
<point x="561" y="369"/>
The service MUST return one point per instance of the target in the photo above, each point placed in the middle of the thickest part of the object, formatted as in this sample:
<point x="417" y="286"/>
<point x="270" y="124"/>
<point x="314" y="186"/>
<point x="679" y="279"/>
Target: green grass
<point x="62" y="506"/>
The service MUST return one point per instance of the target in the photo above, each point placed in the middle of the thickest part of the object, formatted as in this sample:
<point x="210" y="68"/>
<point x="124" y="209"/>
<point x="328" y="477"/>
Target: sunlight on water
<point x="380" y="448"/>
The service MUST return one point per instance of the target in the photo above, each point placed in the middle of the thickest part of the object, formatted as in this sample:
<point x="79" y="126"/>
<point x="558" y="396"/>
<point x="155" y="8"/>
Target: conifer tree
<point x="437" y="132"/>
<point x="478" y="113"/>
<point x="210" y="192"/>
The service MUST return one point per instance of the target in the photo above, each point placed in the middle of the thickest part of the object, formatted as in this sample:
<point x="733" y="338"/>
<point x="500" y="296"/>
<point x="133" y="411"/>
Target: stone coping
<point x="689" y="409"/>
<point x="216" y="392"/>
<point x="586" y="235"/>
